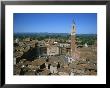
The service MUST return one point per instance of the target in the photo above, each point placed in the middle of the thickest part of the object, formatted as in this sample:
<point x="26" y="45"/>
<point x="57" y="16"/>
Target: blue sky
<point x="86" y="23"/>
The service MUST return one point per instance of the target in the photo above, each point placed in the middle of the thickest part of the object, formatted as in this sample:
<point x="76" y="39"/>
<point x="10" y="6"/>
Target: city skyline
<point x="86" y="23"/>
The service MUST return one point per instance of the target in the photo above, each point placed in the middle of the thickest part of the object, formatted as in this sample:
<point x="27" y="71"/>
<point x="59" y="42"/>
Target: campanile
<point x="73" y="39"/>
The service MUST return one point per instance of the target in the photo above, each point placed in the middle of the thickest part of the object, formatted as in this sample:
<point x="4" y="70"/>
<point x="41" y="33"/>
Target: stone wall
<point x="52" y="50"/>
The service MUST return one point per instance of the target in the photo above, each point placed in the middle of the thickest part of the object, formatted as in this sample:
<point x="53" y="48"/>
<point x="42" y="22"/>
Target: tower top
<point x="73" y="21"/>
<point x="73" y="32"/>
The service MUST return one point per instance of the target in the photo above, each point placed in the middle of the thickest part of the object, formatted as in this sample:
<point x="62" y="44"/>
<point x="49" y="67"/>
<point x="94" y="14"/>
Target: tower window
<point x="73" y="27"/>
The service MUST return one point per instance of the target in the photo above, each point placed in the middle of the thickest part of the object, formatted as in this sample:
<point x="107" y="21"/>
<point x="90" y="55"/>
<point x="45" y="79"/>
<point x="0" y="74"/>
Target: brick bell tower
<point x="73" y="40"/>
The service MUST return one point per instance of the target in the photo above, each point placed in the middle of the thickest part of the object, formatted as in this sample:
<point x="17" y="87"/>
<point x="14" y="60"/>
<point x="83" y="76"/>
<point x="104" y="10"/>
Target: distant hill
<point x="49" y="34"/>
<point x="62" y="37"/>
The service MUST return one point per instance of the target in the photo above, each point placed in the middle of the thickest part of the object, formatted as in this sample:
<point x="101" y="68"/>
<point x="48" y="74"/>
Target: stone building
<point x="53" y="50"/>
<point x="75" y="54"/>
<point x="16" y="40"/>
<point x="64" y="49"/>
<point x="73" y="41"/>
<point x="14" y="62"/>
<point x="26" y="39"/>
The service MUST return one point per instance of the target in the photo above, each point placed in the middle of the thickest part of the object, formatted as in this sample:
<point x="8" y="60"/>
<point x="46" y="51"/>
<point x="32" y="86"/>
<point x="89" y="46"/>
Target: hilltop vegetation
<point x="90" y="39"/>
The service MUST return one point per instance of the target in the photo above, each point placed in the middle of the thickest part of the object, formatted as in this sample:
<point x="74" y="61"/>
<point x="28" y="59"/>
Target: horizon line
<point x="54" y="32"/>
